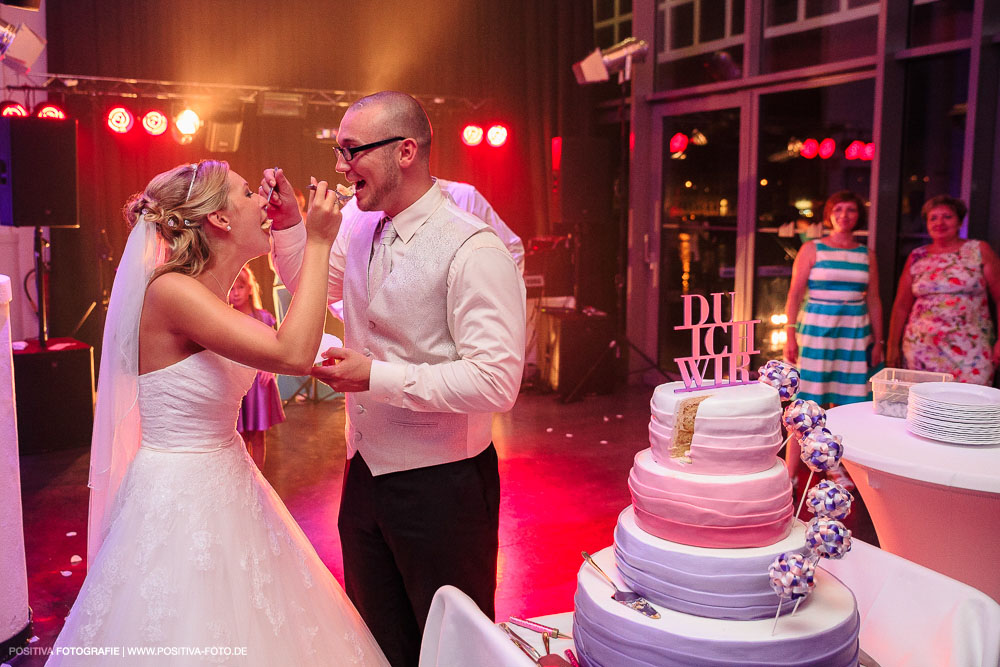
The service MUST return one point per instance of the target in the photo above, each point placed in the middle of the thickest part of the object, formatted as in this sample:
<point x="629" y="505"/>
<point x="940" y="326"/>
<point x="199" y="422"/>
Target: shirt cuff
<point x="289" y="236"/>
<point x="386" y="381"/>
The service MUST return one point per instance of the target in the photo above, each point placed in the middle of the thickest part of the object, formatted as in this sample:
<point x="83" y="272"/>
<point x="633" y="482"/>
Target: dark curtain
<point x="514" y="57"/>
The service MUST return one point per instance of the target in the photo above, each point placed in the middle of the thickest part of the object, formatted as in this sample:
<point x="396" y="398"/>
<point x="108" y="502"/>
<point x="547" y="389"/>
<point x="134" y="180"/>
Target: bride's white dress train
<point x="203" y="564"/>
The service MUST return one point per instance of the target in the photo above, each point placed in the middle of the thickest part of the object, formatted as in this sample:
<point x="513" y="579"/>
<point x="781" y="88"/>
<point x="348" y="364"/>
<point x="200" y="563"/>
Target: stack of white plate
<point x="963" y="414"/>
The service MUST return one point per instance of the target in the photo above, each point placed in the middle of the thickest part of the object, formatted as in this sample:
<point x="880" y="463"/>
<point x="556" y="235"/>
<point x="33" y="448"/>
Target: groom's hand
<point x="282" y="207"/>
<point x="344" y="370"/>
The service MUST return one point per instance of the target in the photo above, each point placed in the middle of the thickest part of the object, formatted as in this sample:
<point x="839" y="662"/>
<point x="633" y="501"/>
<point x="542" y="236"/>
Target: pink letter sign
<point x="731" y="364"/>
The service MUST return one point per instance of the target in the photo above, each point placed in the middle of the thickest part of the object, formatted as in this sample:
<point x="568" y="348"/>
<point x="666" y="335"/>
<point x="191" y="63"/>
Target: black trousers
<point x="406" y="534"/>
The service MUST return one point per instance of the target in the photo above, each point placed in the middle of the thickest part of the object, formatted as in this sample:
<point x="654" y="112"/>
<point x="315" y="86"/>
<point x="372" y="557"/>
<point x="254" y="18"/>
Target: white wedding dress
<point x="203" y="564"/>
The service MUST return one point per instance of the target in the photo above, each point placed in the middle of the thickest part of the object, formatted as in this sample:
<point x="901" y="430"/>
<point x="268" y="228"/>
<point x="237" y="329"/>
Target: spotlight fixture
<point x="155" y="123"/>
<point x="599" y="65"/>
<point x="809" y="149"/>
<point x="186" y="125"/>
<point x="869" y="151"/>
<point x="7" y="35"/>
<point x="827" y="148"/>
<point x="13" y="109"/>
<point x="51" y="111"/>
<point x="496" y="136"/>
<point x="472" y="135"/>
<point x="854" y="150"/>
<point x="120" y="120"/>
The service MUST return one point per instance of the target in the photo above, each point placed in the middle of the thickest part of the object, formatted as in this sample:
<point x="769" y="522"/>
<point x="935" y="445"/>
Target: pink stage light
<point x="496" y="136"/>
<point x="869" y="152"/>
<point x="810" y="148"/>
<point x="13" y="109"/>
<point x="50" y="111"/>
<point x="120" y="120"/>
<point x="472" y="135"/>
<point x="854" y="150"/>
<point x="827" y="148"/>
<point x="155" y="123"/>
<point x="678" y="143"/>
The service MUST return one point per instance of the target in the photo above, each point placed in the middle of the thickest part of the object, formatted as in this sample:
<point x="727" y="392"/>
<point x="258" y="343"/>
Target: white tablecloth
<point x="932" y="503"/>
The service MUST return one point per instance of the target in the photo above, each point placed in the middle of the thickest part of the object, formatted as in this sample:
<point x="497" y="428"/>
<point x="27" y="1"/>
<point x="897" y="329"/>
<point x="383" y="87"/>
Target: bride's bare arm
<point x="179" y="308"/>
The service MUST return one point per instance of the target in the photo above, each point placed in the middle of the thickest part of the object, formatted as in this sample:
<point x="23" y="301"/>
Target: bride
<point x="193" y="558"/>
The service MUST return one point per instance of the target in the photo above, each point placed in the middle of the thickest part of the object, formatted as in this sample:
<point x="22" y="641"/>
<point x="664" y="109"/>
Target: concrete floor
<point x="563" y="471"/>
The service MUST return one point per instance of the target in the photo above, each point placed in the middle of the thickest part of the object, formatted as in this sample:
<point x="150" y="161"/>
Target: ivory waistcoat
<point x="406" y="322"/>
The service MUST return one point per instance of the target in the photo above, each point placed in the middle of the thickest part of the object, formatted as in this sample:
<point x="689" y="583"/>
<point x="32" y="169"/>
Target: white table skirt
<point x="932" y="503"/>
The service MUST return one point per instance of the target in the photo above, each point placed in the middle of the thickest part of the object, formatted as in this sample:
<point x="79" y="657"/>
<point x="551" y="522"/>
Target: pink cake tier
<point x="722" y="511"/>
<point x="737" y="429"/>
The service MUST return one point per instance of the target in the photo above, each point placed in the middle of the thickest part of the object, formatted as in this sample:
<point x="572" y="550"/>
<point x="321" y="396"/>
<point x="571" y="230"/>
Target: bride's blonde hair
<point x="178" y="202"/>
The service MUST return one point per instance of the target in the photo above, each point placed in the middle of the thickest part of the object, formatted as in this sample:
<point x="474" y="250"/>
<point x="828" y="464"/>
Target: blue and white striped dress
<point x="834" y="329"/>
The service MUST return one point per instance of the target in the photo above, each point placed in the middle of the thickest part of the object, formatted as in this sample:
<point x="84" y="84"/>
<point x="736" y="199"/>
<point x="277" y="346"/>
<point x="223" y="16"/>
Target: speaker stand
<point x="42" y="287"/>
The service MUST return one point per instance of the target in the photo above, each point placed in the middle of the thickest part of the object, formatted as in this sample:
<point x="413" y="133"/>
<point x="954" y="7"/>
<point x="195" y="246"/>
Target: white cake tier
<point x="822" y="632"/>
<point x="737" y="428"/>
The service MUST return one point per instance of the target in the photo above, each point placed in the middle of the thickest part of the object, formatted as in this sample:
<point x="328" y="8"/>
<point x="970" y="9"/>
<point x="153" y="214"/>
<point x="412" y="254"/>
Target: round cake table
<point x="934" y="503"/>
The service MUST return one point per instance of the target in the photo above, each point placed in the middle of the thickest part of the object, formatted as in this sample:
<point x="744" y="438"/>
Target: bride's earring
<point x="229" y="228"/>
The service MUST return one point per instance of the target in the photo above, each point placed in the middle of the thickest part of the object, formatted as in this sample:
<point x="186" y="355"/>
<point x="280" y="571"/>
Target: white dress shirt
<point x="486" y="318"/>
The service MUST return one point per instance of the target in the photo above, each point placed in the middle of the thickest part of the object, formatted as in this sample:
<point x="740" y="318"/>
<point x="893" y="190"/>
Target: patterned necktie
<point x="381" y="262"/>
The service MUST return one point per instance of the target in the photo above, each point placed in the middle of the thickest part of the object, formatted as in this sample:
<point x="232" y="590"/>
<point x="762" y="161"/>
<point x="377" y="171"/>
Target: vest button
<point x="368" y="352"/>
<point x="361" y="409"/>
<point x="371" y="325"/>
<point x="357" y="436"/>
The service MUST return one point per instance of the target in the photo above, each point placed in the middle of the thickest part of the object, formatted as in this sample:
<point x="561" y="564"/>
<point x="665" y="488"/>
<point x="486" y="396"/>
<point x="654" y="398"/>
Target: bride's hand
<point x="323" y="216"/>
<point x="282" y="207"/>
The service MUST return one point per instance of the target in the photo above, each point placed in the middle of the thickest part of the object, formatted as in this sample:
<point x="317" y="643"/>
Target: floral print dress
<point x="949" y="329"/>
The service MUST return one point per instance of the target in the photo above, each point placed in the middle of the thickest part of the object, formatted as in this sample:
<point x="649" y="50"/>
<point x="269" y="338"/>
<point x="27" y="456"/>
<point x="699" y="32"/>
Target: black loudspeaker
<point x="38" y="173"/>
<point x="569" y="344"/>
<point x="584" y="186"/>
<point x="54" y="390"/>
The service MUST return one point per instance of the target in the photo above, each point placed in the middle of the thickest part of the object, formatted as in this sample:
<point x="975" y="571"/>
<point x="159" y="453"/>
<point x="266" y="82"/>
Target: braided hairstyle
<point x="178" y="202"/>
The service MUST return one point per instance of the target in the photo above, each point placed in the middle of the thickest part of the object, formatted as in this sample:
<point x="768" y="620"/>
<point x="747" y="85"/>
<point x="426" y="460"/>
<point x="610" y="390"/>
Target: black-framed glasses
<point x="351" y="152"/>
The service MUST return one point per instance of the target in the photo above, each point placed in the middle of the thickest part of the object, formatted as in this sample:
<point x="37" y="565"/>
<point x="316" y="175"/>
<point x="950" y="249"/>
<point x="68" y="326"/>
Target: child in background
<point x="261" y="407"/>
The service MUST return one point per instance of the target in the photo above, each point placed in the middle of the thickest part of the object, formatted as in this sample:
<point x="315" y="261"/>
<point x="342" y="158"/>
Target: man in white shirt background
<point x="434" y="344"/>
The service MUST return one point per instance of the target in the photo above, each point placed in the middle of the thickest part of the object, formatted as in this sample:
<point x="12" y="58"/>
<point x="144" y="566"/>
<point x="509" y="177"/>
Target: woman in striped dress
<point x="843" y="310"/>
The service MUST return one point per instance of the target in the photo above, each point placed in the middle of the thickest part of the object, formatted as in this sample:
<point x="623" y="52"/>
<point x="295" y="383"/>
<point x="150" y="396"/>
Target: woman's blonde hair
<point x="178" y="202"/>
<point x="255" y="301"/>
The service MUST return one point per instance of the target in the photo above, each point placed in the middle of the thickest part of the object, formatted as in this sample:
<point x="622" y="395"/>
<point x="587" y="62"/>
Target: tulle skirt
<point x="203" y="565"/>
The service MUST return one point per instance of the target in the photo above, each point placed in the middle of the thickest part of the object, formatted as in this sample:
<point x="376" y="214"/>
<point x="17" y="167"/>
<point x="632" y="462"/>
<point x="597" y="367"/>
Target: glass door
<point x="699" y="230"/>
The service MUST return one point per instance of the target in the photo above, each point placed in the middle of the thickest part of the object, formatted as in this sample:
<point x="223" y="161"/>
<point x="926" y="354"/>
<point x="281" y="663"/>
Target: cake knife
<point x="549" y="659"/>
<point x="630" y="599"/>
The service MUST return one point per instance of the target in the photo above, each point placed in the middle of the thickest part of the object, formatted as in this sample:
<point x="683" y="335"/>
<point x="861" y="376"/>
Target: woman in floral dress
<point x="941" y="317"/>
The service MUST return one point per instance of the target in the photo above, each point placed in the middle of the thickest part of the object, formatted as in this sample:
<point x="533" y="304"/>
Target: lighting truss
<point x="103" y="86"/>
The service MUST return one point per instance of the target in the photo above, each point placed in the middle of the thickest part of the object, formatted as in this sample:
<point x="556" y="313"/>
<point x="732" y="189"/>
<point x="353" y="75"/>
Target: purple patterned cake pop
<point x="781" y="376"/>
<point x="821" y="449"/>
<point x="829" y="500"/>
<point x="828" y="538"/>
<point x="791" y="576"/>
<point x="802" y="416"/>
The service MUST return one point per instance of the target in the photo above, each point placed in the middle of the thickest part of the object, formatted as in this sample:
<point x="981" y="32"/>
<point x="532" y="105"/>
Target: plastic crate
<point x="891" y="388"/>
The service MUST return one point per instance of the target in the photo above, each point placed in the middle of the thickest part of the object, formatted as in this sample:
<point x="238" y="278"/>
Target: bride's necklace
<point x="217" y="281"/>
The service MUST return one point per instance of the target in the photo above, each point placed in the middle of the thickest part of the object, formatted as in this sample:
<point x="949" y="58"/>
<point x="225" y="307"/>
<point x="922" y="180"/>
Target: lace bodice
<point x="193" y="404"/>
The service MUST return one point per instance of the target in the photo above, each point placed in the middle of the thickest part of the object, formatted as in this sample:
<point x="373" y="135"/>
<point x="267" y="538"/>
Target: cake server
<point x="630" y="599"/>
<point x="555" y="633"/>
<point x="529" y="650"/>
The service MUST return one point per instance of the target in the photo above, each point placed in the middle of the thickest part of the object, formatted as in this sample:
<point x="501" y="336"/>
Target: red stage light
<point x="869" y="152"/>
<point x="854" y="150"/>
<point x="827" y="148"/>
<point x="50" y="111"/>
<point x="496" y="136"/>
<point x="678" y="143"/>
<point x="13" y="109"/>
<point x="155" y="123"/>
<point x="556" y="154"/>
<point x="120" y="120"/>
<point x="810" y="148"/>
<point x="472" y="135"/>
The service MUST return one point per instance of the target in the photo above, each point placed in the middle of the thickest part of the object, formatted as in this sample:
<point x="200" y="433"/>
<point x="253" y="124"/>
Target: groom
<point x="434" y="328"/>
